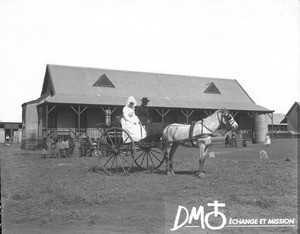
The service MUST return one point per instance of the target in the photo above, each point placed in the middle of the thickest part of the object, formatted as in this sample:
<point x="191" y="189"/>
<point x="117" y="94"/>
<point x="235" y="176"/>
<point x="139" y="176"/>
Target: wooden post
<point x="187" y="114"/>
<point x="47" y="113"/>
<point x="233" y="114"/>
<point x="108" y="114"/>
<point x="79" y="114"/>
<point x="163" y="114"/>
<point x="207" y="113"/>
<point x="272" y="127"/>
<point x="272" y="123"/>
<point x="46" y="127"/>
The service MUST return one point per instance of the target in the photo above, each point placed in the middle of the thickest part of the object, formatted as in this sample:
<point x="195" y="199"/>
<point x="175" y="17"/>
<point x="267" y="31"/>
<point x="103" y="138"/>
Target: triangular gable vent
<point x="104" y="82"/>
<point x="212" y="88"/>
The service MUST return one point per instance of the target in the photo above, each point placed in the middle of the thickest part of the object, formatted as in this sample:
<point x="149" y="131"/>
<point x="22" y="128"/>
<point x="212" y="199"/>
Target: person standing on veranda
<point x="131" y="123"/>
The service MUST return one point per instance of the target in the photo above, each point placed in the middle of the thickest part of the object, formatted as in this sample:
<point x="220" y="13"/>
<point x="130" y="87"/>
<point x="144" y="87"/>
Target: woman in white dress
<point x="131" y="123"/>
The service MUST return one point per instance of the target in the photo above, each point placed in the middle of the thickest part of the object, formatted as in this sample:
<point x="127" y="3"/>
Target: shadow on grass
<point x="138" y="170"/>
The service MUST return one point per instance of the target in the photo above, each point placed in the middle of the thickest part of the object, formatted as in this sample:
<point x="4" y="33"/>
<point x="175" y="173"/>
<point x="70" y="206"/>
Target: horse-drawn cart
<point x="118" y="153"/>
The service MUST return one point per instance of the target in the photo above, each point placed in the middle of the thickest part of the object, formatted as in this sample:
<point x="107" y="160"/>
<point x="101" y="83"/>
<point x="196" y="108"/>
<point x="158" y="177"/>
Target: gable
<point x="295" y="108"/>
<point x="103" y="81"/>
<point x="47" y="85"/>
<point x="212" y="88"/>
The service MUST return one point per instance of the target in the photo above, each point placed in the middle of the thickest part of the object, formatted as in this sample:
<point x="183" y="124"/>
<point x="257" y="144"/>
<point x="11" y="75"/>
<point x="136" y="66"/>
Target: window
<point x="103" y="81"/>
<point x="212" y="88"/>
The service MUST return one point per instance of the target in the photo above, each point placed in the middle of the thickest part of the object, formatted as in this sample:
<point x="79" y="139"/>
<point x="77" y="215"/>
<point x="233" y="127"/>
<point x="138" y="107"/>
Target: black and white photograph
<point x="162" y="116"/>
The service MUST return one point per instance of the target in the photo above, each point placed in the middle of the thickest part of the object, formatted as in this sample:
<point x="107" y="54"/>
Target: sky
<point x="255" y="42"/>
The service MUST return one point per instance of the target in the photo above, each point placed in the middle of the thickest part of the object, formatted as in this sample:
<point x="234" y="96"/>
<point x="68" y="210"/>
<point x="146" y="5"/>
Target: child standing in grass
<point x="71" y="146"/>
<point x="59" y="147"/>
<point x="268" y="140"/>
<point x="53" y="148"/>
<point x="65" y="148"/>
<point x="44" y="148"/>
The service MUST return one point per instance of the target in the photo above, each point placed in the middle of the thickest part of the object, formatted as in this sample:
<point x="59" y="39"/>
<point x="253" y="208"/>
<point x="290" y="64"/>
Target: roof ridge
<point x="144" y="72"/>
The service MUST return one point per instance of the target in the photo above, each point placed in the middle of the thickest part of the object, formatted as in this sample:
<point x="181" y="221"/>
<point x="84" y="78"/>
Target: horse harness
<point x="191" y="131"/>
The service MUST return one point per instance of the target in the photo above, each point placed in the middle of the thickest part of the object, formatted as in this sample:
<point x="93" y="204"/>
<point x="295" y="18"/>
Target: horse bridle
<point x="225" y="114"/>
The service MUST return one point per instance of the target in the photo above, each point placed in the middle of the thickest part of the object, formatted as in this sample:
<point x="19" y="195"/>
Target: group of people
<point x="231" y="141"/>
<point x="64" y="147"/>
<point x="58" y="147"/>
<point x="87" y="146"/>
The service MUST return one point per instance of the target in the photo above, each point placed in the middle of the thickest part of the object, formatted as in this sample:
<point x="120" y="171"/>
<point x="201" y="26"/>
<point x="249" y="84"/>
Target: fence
<point x="60" y="133"/>
<point x="282" y="134"/>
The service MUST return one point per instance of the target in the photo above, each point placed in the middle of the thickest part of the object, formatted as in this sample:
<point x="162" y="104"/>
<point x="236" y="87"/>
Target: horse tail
<point x="164" y="137"/>
<point x="165" y="133"/>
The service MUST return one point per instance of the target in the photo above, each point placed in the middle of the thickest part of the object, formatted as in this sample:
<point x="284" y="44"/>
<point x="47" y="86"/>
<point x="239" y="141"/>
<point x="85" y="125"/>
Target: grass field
<point x="69" y="195"/>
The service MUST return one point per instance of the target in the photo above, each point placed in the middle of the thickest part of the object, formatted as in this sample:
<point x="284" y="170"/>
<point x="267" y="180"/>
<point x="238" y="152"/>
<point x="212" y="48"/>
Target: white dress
<point x="130" y="122"/>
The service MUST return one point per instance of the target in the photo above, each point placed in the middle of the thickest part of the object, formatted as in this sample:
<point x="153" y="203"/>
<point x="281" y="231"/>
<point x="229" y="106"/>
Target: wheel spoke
<point x="155" y="156"/>
<point x="142" y="152"/>
<point x="112" y="143"/>
<point x="122" y="165"/>
<point x="126" y="139"/>
<point x="147" y="159"/>
<point x="117" y="164"/>
<point x="151" y="159"/>
<point x="108" y="161"/>
<point x="111" y="166"/>
<point x="156" y="151"/>
<point x="124" y="159"/>
<point x="143" y="158"/>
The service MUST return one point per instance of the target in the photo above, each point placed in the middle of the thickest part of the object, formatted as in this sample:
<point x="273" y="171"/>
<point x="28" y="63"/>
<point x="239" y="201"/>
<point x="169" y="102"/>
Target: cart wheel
<point x="115" y="156"/>
<point x="149" y="156"/>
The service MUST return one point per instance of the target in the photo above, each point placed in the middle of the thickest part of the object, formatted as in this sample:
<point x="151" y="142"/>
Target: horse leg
<point x="202" y="155"/>
<point x="167" y="149"/>
<point x="173" y="149"/>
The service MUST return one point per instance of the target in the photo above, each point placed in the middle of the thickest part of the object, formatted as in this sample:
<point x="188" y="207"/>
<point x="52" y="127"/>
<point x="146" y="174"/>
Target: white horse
<point x="197" y="135"/>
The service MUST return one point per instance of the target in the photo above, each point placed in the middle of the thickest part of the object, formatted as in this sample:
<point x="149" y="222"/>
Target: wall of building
<point x="2" y="135"/>
<point x="16" y="136"/>
<point x="65" y="117"/>
<point x="31" y="122"/>
<point x="293" y="121"/>
<point x="95" y="115"/>
<point x="244" y="121"/>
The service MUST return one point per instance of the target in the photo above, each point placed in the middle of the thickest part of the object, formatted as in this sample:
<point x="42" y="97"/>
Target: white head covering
<point x="131" y="99"/>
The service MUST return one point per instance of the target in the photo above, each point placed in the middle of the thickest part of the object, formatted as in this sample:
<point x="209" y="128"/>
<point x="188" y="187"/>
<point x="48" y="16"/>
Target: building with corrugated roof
<point x="292" y="118"/>
<point x="275" y="123"/>
<point x="11" y="131"/>
<point x="76" y="99"/>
